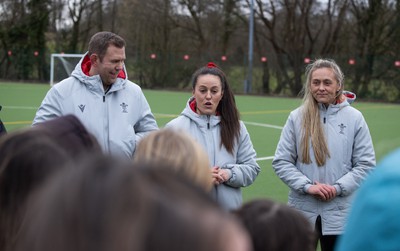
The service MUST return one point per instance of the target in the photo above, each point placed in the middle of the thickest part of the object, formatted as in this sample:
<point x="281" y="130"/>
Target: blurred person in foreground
<point x="374" y="222"/>
<point x="99" y="93"/>
<point x="180" y="151"/>
<point x="212" y="118"/>
<point x="274" y="226"/>
<point x="324" y="153"/>
<point x="106" y="204"/>
<point x="28" y="158"/>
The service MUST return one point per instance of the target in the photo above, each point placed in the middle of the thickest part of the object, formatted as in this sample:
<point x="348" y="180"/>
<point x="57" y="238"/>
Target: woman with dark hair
<point x="212" y="118"/>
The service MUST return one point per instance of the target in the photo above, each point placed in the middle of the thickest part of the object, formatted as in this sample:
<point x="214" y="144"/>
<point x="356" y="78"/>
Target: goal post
<point x="62" y="65"/>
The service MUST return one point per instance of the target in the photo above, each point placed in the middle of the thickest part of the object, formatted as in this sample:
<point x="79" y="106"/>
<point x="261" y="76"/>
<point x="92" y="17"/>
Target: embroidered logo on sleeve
<point x="124" y="107"/>
<point x="342" y="127"/>
<point x="81" y="107"/>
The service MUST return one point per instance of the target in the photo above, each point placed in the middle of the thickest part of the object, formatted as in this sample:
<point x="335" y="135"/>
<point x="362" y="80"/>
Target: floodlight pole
<point x="247" y="86"/>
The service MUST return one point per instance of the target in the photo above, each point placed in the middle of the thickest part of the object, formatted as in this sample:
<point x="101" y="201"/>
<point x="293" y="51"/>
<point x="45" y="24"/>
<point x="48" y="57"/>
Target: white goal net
<point x="62" y="65"/>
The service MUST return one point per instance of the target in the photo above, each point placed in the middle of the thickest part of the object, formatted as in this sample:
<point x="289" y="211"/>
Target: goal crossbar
<point x="61" y="56"/>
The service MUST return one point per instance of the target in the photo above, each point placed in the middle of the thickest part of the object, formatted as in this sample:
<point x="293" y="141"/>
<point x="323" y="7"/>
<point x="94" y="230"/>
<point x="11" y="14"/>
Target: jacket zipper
<point x="105" y="93"/>
<point x="106" y="121"/>
<point x="215" y="187"/>
<point x="325" y="112"/>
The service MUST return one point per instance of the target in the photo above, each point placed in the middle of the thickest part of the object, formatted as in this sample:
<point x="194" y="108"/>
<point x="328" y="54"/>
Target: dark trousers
<point x="327" y="242"/>
<point x="2" y="128"/>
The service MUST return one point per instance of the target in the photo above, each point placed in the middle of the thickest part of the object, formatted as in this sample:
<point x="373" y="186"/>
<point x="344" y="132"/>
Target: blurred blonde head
<point x="178" y="150"/>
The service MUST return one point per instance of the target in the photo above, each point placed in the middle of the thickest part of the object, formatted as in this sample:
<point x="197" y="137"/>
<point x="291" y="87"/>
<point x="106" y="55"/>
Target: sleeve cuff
<point x="231" y="175"/>
<point x="338" y="189"/>
<point x="306" y="187"/>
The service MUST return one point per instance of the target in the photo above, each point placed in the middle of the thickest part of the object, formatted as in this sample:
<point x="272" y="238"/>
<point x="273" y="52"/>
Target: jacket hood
<point x="350" y="96"/>
<point x="193" y="105"/>
<point x="200" y="120"/>
<point x="86" y="65"/>
<point x="82" y="69"/>
<point x="333" y="108"/>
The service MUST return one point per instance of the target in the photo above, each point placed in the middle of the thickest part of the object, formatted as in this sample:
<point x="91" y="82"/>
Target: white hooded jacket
<point x="352" y="157"/>
<point x="118" y="118"/>
<point x="242" y="163"/>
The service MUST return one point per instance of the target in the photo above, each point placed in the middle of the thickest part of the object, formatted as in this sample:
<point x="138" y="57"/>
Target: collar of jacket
<point x="94" y="83"/>
<point x="333" y="108"/>
<point x="200" y="120"/>
<point x="193" y="106"/>
<point x="86" y="65"/>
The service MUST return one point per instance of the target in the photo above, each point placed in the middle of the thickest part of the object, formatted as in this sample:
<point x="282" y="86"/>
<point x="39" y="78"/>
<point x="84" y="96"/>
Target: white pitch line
<point x="21" y="107"/>
<point x="164" y="115"/>
<point x="264" y="158"/>
<point x="155" y="114"/>
<point x="172" y="115"/>
<point x="263" y="125"/>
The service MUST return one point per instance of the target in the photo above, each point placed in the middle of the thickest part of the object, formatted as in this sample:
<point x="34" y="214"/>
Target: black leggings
<point x="327" y="241"/>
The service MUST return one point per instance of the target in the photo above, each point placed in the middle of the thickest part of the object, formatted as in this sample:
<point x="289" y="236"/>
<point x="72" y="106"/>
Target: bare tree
<point x="99" y="20"/>
<point x="77" y="10"/>
<point x="293" y="28"/>
<point x="197" y="9"/>
<point x="334" y="16"/>
<point x="39" y="22"/>
<point x="22" y="34"/>
<point x="373" y="36"/>
<point x="231" y="22"/>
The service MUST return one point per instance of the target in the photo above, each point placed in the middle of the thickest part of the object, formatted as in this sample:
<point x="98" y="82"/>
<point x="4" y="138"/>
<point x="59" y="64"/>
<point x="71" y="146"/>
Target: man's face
<point x="111" y="65"/>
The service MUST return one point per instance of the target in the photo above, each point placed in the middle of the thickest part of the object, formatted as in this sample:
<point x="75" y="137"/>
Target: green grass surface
<point x="20" y="102"/>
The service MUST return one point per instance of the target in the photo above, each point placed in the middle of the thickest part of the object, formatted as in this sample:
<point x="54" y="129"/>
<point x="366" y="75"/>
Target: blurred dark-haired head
<point x="274" y="226"/>
<point x="28" y="158"/>
<point x="70" y="134"/>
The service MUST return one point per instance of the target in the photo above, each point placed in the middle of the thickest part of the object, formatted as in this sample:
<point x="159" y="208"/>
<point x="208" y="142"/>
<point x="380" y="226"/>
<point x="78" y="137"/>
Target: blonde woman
<point x="324" y="153"/>
<point x="178" y="150"/>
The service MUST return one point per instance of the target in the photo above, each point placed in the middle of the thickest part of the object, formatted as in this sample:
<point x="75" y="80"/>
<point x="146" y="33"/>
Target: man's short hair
<point x="100" y="42"/>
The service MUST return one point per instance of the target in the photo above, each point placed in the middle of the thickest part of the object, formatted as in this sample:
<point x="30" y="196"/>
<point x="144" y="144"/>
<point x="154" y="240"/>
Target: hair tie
<point x="211" y="65"/>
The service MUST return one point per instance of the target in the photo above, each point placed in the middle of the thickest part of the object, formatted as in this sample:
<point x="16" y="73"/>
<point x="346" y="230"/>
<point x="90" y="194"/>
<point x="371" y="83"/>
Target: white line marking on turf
<point x="263" y="125"/>
<point x="21" y="107"/>
<point x="264" y="158"/>
<point x="164" y="115"/>
<point x="156" y="115"/>
<point x="172" y="115"/>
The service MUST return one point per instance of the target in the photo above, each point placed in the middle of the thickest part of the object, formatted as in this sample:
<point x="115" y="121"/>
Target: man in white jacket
<point x="99" y="93"/>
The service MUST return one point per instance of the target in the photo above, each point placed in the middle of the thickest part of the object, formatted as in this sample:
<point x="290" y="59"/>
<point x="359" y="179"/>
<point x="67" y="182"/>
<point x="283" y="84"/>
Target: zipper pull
<point x="104" y="98"/>
<point x="324" y="120"/>
<point x="208" y="121"/>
